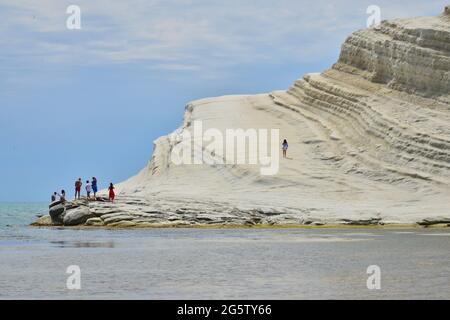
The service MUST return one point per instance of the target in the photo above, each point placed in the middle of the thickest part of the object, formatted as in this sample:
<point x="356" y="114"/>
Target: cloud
<point x="182" y="35"/>
<point x="175" y="67"/>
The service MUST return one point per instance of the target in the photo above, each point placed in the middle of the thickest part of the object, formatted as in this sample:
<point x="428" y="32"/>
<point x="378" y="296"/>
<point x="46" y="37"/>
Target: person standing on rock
<point x="78" y="185"/>
<point x="54" y="194"/>
<point x="88" y="189"/>
<point x="112" y="195"/>
<point x="285" y="146"/>
<point x="62" y="196"/>
<point x="94" y="187"/>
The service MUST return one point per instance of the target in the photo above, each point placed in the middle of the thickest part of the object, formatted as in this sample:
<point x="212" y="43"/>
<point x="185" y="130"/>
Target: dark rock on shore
<point x="69" y="213"/>
<point x="77" y="216"/>
<point x="431" y="222"/>
<point x="57" y="211"/>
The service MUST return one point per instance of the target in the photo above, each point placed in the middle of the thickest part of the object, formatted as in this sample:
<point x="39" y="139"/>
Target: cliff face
<point x="369" y="142"/>
<point x="406" y="55"/>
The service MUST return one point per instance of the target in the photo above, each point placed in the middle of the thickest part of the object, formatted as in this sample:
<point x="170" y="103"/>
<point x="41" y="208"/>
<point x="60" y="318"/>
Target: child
<point x="285" y="146"/>
<point x="112" y="195"/>
<point x="88" y="189"/>
<point x="54" y="194"/>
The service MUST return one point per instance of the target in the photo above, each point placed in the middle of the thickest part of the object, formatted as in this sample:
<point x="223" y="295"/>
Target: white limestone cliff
<point x="369" y="143"/>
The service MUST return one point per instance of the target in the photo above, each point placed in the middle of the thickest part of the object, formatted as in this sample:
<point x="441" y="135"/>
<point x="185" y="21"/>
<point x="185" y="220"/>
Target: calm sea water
<point x="216" y="264"/>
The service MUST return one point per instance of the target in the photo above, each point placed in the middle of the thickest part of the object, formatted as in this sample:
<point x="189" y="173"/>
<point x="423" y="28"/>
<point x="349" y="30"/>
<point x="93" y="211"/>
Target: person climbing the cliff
<point x="285" y="146"/>
<point x="112" y="195"/>
<point x="54" y="194"/>
<point x="88" y="189"/>
<point x="94" y="187"/>
<point x="78" y="185"/>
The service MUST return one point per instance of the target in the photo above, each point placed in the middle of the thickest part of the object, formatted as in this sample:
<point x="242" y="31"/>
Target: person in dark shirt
<point x="94" y="187"/>
<point x="285" y="146"/>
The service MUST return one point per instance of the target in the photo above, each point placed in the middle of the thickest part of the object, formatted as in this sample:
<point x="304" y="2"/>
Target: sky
<point x="91" y="101"/>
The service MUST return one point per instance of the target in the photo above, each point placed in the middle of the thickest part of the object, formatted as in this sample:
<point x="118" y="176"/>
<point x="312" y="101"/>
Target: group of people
<point x="62" y="196"/>
<point x="91" y="187"/>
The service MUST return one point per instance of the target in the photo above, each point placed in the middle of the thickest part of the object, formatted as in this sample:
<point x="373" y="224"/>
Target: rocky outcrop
<point x="137" y="212"/>
<point x="43" y="221"/>
<point x="369" y="145"/>
<point x="69" y="213"/>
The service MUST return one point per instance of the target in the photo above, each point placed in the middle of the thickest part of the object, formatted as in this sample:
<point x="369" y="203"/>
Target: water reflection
<point x="82" y="244"/>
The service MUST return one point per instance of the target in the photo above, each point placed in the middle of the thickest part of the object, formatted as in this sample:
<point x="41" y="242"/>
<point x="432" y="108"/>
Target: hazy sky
<point x="78" y="103"/>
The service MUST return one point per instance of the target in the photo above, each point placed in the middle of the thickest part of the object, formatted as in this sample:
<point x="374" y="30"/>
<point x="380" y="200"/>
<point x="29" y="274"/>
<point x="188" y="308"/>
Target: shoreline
<point x="125" y="226"/>
<point x="134" y="214"/>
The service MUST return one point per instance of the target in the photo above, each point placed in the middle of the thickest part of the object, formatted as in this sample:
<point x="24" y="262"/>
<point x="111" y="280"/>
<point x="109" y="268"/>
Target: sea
<point x="326" y="263"/>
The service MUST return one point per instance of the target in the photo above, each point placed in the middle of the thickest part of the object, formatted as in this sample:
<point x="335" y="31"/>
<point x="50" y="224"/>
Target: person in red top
<point x="78" y="185"/>
<point x="112" y="195"/>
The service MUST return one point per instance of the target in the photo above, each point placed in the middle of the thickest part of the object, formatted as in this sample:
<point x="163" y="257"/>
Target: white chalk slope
<point x="369" y="141"/>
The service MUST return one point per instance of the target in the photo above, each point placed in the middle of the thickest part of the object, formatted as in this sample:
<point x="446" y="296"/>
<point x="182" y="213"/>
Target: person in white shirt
<point x="88" y="189"/>
<point x="62" y="196"/>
